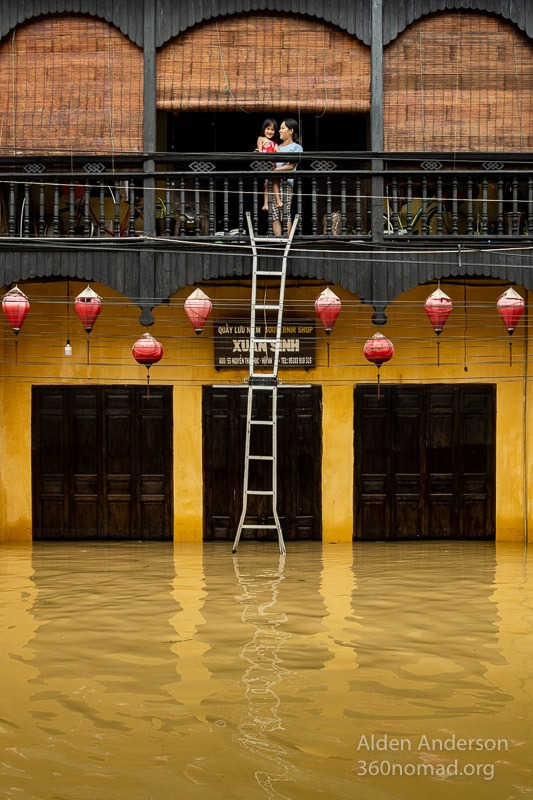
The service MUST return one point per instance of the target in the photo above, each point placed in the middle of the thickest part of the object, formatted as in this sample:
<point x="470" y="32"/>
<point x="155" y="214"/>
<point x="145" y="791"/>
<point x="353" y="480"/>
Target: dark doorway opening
<point x="425" y="462"/>
<point x="102" y="462"/>
<point x="299" y="474"/>
<point x="229" y="132"/>
<point x="224" y="134"/>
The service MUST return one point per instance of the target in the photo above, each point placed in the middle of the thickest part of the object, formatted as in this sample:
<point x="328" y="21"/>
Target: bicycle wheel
<point x="91" y="229"/>
<point x="448" y="226"/>
<point x="82" y="228"/>
<point x="51" y="231"/>
<point x="103" y="217"/>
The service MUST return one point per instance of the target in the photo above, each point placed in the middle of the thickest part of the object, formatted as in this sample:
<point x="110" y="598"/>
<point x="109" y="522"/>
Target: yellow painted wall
<point x="473" y="347"/>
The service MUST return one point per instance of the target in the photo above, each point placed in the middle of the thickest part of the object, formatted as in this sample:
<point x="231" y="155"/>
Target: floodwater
<point x="368" y="672"/>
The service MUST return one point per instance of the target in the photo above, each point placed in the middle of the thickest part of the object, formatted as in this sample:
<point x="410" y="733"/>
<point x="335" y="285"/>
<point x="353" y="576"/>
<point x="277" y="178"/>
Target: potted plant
<point x="165" y="219"/>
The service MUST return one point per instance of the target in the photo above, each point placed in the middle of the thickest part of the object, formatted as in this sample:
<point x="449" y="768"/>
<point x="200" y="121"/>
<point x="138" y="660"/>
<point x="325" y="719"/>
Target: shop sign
<point x="232" y="344"/>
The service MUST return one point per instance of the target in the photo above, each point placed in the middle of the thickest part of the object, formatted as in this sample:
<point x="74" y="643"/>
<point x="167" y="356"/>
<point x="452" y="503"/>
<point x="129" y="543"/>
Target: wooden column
<point x="376" y="117"/>
<point x="379" y="272"/>
<point x="149" y="115"/>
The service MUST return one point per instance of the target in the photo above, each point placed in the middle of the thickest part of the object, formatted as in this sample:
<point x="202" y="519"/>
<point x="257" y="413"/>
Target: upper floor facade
<point x="127" y="139"/>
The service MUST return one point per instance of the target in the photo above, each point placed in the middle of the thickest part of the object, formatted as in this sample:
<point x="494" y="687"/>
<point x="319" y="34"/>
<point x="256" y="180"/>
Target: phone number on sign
<point x="452" y="769"/>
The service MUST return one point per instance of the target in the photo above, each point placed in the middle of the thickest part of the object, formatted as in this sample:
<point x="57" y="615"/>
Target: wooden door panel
<point x="152" y="432"/>
<point x="476" y="431"/>
<point x="118" y="433"/>
<point x="119" y="463"/>
<point x="54" y="513"/>
<point x="298" y="453"/>
<point x="108" y="460"/>
<point x="219" y="461"/>
<point x="373" y="444"/>
<point x="48" y="459"/>
<point x="405" y="488"/>
<point x="407" y="515"/>
<point x="298" y="461"/>
<point x="152" y="518"/>
<point x="84" y="454"/>
<point x="154" y="437"/>
<point x="118" y="523"/>
<point x="375" y="516"/>
<point x="475" y="516"/>
<point x="374" y="508"/>
<point x="429" y="474"/>
<point x="440" y="467"/>
<point x="442" y="517"/>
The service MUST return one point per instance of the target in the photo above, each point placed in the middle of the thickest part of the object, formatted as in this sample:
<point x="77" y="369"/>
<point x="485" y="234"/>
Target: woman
<point x="288" y="134"/>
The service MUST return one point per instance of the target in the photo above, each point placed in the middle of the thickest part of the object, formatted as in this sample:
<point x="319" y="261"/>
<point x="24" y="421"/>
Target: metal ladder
<point x="263" y="381"/>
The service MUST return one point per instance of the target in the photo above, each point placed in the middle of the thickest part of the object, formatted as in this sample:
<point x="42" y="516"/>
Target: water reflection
<point x="264" y="671"/>
<point x="145" y="671"/>
<point x="427" y="638"/>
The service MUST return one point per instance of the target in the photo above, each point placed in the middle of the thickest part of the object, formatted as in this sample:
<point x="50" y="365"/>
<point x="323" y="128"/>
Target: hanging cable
<point x="517" y="89"/>
<point x="227" y="87"/>
<point x="422" y="94"/>
<point x="13" y="91"/>
<point x="111" y="98"/>
<point x="324" y="75"/>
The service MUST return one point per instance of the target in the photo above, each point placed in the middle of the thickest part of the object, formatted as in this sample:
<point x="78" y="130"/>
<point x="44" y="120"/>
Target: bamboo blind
<point x="459" y="81"/>
<point x="260" y="62"/>
<point x="70" y="84"/>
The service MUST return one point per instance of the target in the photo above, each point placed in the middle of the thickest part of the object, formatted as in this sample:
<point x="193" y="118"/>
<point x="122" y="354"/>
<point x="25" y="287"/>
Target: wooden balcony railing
<point x="342" y="197"/>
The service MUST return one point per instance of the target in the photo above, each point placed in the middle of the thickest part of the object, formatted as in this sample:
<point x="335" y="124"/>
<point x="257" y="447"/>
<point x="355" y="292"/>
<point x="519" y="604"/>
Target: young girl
<point x="266" y="144"/>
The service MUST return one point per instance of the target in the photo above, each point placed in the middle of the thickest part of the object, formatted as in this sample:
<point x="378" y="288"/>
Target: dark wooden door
<point x="298" y="458"/>
<point x="424" y="462"/>
<point x="102" y="462"/>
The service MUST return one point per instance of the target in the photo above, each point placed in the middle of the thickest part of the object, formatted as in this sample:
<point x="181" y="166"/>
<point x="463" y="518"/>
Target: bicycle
<point x="432" y="218"/>
<point x="79" y="214"/>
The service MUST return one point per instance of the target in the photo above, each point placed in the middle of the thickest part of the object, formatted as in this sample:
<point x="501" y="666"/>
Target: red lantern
<point x="510" y="307"/>
<point x="15" y="306"/>
<point x="328" y="308"/>
<point x="438" y="307"/>
<point x="87" y="306"/>
<point x="147" y="351"/>
<point x="198" y="307"/>
<point x="378" y="349"/>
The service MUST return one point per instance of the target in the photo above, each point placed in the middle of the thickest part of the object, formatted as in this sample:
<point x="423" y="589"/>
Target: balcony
<point x="340" y="197"/>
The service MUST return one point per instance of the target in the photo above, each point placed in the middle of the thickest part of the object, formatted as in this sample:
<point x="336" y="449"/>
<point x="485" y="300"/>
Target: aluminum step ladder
<point x="263" y="358"/>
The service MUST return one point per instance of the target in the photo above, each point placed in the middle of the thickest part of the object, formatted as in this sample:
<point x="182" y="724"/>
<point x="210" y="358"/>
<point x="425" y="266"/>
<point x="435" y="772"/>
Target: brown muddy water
<point x="151" y="672"/>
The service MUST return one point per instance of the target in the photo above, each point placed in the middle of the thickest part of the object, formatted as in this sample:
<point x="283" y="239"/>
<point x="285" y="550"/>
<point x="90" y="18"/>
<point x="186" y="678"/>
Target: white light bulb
<point x="68" y="348"/>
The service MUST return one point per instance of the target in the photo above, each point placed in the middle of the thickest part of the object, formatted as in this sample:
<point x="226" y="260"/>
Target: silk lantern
<point x="328" y="307"/>
<point x="510" y="307"/>
<point x="147" y="351"/>
<point x="88" y="306"/>
<point x="378" y="349"/>
<point x="438" y="308"/>
<point x="198" y="307"/>
<point x="15" y="306"/>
